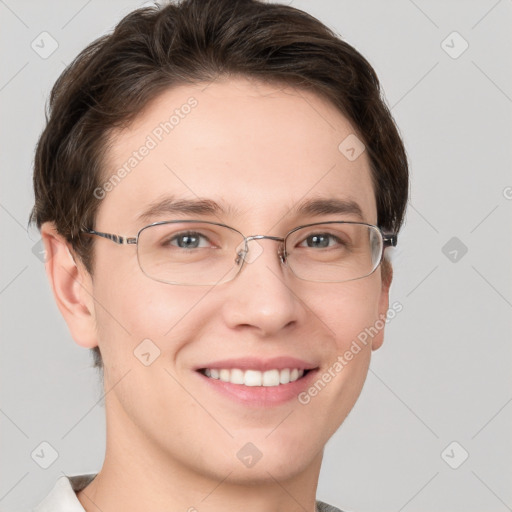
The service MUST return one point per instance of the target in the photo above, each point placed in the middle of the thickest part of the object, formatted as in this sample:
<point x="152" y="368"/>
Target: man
<point x="216" y="187"/>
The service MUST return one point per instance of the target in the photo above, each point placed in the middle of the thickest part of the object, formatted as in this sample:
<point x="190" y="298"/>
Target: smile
<point x="268" y="378"/>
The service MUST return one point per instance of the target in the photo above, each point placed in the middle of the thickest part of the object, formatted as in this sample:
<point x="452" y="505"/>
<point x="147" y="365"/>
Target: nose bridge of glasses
<point x="259" y="237"/>
<point x="243" y="252"/>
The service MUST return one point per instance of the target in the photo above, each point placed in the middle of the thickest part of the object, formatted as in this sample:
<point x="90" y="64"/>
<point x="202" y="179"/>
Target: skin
<point x="171" y="441"/>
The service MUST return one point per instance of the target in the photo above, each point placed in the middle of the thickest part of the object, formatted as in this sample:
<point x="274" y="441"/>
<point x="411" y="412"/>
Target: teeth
<point x="236" y="376"/>
<point x="271" y="378"/>
<point x="252" y="378"/>
<point x="268" y="378"/>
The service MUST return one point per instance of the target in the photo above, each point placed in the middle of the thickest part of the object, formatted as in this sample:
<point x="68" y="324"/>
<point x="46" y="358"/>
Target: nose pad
<point x="243" y="253"/>
<point x="282" y="254"/>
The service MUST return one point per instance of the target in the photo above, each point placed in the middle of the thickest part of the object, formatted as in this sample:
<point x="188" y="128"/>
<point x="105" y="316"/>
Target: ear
<point x="386" y="278"/>
<point x="71" y="285"/>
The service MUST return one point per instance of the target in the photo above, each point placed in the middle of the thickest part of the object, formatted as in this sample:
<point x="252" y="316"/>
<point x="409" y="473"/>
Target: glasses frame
<point x="388" y="240"/>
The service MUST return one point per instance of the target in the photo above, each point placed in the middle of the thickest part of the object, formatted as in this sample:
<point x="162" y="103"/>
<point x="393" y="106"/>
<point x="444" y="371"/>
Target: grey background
<point x="443" y="373"/>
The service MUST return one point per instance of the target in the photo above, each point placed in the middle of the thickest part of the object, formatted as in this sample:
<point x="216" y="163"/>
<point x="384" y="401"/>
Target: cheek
<point x="347" y="309"/>
<point x="344" y="313"/>
<point x="131" y="309"/>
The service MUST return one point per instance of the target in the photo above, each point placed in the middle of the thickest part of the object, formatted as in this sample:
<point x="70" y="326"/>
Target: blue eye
<point x="322" y="240"/>
<point x="188" y="240"/>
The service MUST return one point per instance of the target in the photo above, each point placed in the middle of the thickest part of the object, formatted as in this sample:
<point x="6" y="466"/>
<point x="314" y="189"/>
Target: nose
<point x="261" y="296"/>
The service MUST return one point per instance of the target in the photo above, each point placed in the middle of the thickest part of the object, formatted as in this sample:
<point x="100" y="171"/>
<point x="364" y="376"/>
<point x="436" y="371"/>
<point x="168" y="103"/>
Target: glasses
<point x="191" y="252"/>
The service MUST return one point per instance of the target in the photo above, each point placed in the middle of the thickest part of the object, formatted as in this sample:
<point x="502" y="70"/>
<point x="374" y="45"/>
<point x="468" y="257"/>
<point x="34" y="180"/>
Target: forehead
<point x="256" y="149"/>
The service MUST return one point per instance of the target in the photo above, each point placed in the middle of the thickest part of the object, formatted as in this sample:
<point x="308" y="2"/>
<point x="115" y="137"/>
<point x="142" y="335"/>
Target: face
<point x="259" y="151"/>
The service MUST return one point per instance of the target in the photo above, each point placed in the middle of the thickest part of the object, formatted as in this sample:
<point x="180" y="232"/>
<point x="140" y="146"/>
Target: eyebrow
<point x="312" y="207"/>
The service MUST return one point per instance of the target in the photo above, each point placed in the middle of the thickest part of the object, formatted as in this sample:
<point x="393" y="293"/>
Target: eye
<point x="321" y="240"/>
<point x="188" y="240"/>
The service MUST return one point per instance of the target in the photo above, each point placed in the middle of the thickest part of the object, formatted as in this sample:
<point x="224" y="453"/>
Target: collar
<point x="62" y="497"/>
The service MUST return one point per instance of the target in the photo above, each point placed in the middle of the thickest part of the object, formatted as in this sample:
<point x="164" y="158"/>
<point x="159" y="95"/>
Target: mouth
<point x="257" y="389"/>
<point x="255" y="378"/>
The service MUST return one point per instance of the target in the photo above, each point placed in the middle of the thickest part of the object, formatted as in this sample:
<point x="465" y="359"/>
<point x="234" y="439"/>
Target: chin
<point x="251" y="458"/>
<point x="268" y="469"/>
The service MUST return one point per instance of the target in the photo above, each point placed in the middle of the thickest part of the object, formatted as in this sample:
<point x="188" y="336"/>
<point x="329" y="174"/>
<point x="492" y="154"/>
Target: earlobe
<point x="71" y="285"/>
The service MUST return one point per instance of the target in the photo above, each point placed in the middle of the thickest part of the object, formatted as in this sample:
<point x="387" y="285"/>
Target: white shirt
<point x="62" y="498"/>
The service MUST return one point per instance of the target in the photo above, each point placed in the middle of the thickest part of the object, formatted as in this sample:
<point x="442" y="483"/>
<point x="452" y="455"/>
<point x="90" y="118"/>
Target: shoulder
<point x="325" y="507"/>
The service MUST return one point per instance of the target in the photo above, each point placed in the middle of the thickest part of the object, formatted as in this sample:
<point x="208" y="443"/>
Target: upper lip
<point x="255" y="363"/>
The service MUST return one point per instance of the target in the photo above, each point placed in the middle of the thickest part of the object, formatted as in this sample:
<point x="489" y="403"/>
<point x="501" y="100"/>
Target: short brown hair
<point x="154" y="48"/>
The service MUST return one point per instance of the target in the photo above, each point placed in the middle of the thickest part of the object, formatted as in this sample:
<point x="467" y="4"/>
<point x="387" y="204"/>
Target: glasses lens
<point x="191" y="253"/>
<point x="334" y="252"/>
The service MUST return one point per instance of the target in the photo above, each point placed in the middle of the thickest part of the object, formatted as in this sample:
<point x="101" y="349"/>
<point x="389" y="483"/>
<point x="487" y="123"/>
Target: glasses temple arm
<point x="390" y="239"/>
<point x="118" y="239"/>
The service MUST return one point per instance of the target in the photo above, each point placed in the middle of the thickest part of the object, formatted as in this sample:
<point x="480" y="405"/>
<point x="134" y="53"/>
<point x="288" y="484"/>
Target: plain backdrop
<point x="431" y="430"/>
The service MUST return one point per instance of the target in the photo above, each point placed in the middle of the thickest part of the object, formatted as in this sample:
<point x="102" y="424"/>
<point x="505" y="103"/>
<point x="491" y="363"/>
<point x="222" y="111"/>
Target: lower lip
<point x="261" y="396"/>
